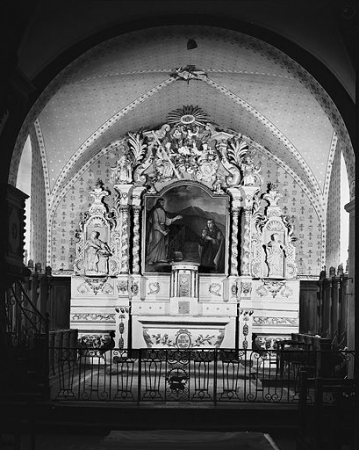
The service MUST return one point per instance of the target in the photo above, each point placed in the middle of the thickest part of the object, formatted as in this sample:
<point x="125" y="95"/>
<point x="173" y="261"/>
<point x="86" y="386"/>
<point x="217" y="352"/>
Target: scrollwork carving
<point x="275" y="321"/>
<point x="215" y="289"/>
<point x="154" y="288"/>
<point x="92" y="317"/>
<point x="188" y="146"/>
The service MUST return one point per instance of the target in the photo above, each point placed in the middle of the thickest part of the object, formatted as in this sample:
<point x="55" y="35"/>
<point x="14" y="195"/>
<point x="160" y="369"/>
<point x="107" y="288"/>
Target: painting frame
<point x="190" y="238"/>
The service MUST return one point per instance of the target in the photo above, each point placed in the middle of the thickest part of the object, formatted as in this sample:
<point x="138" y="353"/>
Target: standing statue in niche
<point x="275" y="254"/>
<point x="122" y="173"/>
<point x="158" y="239"/>
<point x="211" y="248"/>
<point x="97" y="253"/>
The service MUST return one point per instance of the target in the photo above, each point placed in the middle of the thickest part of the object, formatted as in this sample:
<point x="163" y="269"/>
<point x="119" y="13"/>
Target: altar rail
<point x="194" y="375"/>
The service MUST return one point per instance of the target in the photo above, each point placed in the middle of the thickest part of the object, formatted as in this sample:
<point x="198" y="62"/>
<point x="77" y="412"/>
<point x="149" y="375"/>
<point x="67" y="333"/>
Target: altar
<point x="194" y="252"/>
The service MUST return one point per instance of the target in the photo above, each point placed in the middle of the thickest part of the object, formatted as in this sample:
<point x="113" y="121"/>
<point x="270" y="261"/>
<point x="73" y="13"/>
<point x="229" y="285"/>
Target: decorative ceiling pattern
<point x="127" y="83"/>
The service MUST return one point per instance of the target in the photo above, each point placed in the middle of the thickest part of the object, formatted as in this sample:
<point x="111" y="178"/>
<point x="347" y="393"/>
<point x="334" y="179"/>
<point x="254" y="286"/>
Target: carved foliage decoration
<point x="95" y="285"/>
<point x="274" y="288"/>
<point x="187" y="147"/>
<point x="183" y="338"/>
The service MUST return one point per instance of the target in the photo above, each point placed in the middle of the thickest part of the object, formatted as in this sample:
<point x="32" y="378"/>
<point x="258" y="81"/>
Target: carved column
<point x="122" y="327"/>
<point x="123" y="209"/>
<point x="245" y="317"/>
<point x="246" y="247"/>
<point x="136" y="241"/>
<point x="136" y="235"/>
<point x="248" y="193"/>
<point x="245" y="329"/>
<point x="236" y="202"/>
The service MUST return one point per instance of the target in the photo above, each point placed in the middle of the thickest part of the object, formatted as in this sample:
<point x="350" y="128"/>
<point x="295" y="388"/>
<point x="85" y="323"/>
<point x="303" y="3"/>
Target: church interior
<point x="178" y="207"/>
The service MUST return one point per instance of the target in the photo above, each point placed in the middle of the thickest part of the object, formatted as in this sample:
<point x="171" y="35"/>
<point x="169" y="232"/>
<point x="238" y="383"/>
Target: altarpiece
<point x="195" y="251"/>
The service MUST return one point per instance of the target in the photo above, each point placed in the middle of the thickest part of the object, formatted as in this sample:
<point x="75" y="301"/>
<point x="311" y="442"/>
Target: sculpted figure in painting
<point x="211" y="248"/>
<point x="158" y="239"/>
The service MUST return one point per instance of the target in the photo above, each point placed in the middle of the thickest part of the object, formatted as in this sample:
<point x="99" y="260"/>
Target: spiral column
<point x="124" y="240"/>
<point x="246" y="248"/>
<point x="136" y="268"/>
<point x="234" y="243"/>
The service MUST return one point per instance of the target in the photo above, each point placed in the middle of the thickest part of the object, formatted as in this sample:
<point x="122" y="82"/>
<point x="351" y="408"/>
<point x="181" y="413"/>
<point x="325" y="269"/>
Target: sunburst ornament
<point x="187" y="115"/>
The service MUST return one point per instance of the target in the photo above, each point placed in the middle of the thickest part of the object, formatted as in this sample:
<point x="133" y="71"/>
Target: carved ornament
<point x="215" y="289"/>
<point x="154" y="288"/>
<point x="92" y="317"/>
<point x="95" y="285"/>
<point x="182" y="338"/>
<point x="187" y="147"/>
<point x="274" y="321"/>
<point x="246" y="287"/>
<point x="274" y="287"/>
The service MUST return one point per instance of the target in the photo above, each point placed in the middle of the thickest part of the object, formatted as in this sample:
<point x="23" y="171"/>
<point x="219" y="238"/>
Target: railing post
<point x="46" y="356"/>
<point x="215" y="376"/>
<point x="139" y="376"/>
<point x="303" y="392"/>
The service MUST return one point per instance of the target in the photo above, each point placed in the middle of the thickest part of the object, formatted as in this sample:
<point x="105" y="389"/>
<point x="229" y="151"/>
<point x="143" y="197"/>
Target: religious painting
<point x="186" y="223"/>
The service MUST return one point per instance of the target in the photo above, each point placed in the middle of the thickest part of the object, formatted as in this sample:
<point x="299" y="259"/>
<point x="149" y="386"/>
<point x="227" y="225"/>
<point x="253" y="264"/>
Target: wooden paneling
<point x="59" y="303"/>
<point x="308" y="307"/>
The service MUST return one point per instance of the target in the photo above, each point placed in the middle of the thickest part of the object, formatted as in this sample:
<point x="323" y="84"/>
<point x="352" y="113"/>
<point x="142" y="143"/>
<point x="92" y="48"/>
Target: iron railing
<point x="193" y="375"/>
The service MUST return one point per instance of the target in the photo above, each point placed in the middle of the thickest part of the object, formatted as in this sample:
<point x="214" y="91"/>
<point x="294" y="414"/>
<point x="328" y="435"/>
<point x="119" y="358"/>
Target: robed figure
<point x="157" y="237"/>
<point x="97" y="253"/>
<point x="275" y="254"/>
<point x="211" y="248"/>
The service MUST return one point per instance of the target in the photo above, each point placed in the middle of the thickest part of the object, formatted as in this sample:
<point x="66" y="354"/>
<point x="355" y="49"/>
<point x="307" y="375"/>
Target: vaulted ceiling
<point x="127" y="83"/>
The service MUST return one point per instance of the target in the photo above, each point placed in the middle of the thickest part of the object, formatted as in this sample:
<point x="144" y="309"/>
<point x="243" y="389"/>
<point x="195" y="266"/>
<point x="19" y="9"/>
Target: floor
<point x="116" y="440"/>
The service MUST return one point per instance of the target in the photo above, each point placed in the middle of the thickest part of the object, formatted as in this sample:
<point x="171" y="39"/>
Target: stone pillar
<point x="123" y="210"/>
<point x="353" y="312"/>
<point x="136" y="234"/>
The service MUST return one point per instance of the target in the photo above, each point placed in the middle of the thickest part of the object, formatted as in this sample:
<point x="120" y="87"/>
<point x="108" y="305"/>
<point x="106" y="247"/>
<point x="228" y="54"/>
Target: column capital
<point x="247" y="194"/>
<point x="123" y="191"/>
<point x="236" y="197"/>
<point x="137" y="196"/>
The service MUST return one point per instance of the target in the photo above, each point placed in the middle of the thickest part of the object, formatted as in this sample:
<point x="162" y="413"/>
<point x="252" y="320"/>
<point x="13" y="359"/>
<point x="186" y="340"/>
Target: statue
<point x="122" y="173"/>
<point x="97" y="253"/>
<point x="275" y="254"/>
